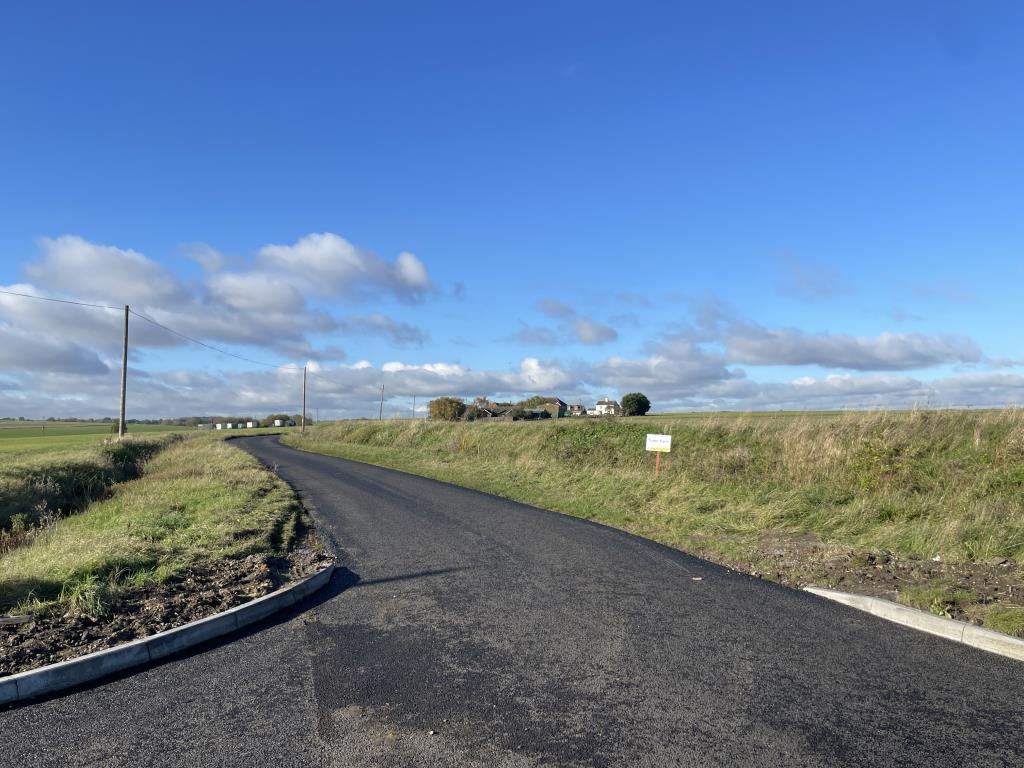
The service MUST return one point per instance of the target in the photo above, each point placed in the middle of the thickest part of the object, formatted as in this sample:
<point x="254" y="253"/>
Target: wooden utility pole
<point x="303" y="427"/>
<point x="380" y="416"/>
<point x="414" y="407"/>
<point x="124" y="375"/>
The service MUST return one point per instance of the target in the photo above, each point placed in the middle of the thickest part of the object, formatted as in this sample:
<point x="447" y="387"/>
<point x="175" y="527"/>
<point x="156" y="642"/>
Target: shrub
<point x="447" y="408"/>
<point x="635" y="404"/>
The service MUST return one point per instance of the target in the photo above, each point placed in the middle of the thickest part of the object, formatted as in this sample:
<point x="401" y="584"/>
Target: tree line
<point x="456" y="408"/>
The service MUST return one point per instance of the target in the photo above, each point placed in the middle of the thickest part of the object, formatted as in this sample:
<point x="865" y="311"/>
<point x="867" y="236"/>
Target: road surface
<point x="465" y="630"/>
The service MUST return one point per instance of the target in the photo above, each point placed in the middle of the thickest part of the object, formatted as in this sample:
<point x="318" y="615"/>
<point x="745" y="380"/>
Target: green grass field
<point x="42" y="437"/>
<point x="197" y="499"/>
<point x="926" y="484"/>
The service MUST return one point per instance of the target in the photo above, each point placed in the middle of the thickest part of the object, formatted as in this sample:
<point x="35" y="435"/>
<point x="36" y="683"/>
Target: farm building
<point x="252" y="424"/>
<point x="555" y="407"/>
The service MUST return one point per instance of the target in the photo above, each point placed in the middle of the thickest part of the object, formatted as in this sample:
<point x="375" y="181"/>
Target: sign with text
<point x="659" y="443"/>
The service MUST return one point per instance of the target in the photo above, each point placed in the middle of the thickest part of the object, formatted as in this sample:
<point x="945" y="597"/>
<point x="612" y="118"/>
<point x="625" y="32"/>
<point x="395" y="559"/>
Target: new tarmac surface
<point x="465" y="630"/>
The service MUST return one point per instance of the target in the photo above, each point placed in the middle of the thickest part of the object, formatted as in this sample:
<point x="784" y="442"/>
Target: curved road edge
<point x="951" y="629"/>
<point x="54" y="678"/>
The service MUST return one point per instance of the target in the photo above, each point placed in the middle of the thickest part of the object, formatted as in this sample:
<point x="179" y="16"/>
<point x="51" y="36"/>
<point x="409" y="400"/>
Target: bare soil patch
<point x="958" y="590"/>
<point x="200" y="591"/>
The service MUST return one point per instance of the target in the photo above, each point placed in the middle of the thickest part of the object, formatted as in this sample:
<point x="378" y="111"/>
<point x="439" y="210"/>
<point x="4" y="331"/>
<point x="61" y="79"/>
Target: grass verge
<point x="35" y="486"/>
<point x="198" y="500"/>
<point x="917" y="486"/>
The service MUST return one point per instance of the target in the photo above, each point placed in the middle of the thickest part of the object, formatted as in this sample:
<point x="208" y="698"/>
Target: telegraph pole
<point x="380" y="416"/>
<point x="303" y="427"/>
<point x="124" y="375"/>
<point x="414" y="407"/>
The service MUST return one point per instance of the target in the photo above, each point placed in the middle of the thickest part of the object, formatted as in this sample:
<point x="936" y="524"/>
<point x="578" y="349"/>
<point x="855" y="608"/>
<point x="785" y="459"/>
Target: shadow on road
<point x="407" y="576"/>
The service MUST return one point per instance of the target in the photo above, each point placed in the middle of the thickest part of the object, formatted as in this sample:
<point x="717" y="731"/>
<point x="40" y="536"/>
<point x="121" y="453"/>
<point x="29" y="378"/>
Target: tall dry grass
<point x="921" y="484"/>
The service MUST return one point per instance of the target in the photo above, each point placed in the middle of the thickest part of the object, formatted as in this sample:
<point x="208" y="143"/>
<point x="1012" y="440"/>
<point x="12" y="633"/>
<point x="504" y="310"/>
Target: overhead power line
<point x="59" y="301"/>
<point x="124" y="367"/>
<point x="289" y="366"/>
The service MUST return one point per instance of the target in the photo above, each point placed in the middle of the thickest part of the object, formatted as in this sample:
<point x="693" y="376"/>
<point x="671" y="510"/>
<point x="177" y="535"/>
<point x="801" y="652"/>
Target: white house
<point x="252" y="424"/>
<point x="608" y="407"/>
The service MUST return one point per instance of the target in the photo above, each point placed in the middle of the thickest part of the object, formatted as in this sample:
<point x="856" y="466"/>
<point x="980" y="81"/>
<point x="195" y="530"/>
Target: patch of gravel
<point x="200" y="591"/>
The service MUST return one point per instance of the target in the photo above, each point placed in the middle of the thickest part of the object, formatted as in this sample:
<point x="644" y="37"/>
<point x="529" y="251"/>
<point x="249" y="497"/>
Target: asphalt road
<point x="466" y="630"/>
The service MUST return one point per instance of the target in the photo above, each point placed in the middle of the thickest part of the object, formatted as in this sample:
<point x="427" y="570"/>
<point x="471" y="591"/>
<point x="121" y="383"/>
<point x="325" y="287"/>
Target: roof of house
<point x="553" y="400"/>
<point x="607" y="402"/>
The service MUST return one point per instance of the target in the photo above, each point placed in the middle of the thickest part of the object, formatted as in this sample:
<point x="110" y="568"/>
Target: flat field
<point x="926" y="507"/>
<point x="41" y="437"/>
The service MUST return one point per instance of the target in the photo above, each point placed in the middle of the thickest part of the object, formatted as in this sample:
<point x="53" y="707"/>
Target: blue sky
<point x="741" y="206"/>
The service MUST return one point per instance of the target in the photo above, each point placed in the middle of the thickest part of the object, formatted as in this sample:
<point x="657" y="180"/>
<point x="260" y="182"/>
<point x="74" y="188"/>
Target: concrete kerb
<point x="85" y="669"/>
<point x="957" y="631"/>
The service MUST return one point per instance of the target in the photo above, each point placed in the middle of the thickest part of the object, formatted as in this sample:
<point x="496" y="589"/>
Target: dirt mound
<point x="198" y="592"/>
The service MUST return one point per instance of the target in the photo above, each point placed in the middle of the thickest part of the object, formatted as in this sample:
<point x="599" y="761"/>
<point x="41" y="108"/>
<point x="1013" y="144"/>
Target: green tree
<point x="447" y="408"/>
<point x="534" y="402"/>
<point x="635" y="404"/>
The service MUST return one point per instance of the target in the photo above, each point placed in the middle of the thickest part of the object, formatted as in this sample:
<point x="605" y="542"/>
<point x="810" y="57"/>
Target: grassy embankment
<point x="920" y="485"/>
<point x="36" y="485"/>
<point x="197" y="500"/>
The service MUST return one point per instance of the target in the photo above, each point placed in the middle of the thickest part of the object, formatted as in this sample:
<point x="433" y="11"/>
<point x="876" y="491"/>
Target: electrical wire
<point x="59" y="301"/>
<point x="289" y="366"/>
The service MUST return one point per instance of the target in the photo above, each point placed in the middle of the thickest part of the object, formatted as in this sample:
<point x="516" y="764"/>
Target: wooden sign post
<point x="659" y="444"/>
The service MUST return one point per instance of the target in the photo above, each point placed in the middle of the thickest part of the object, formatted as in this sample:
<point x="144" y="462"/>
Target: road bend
<point x="466" y="630"/>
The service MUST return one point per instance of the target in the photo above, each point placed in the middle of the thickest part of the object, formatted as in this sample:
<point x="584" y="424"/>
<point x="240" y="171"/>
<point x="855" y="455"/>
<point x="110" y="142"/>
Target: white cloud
<point x="574" y="328"/>
<point x="32" y="352"/>
<point x="400" y="334"/>
<point x="103" y="273"/>
<point x="556" y="309"/>
<point x="262" y="307"/>
<point x="255" y="292"/>
<point x="678" y="368"/>
<point x="886" y="352"/>
<point x="592" y="332"/>
<point x="329" y="264"/>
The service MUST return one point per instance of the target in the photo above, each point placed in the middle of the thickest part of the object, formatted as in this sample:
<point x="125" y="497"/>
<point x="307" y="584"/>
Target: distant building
<point x="278" y="422"/>
<point x="577" y="410"/>
<point x="252" y="424"/>
<point x="555" y="407"/>
<point x="608" y="407"/>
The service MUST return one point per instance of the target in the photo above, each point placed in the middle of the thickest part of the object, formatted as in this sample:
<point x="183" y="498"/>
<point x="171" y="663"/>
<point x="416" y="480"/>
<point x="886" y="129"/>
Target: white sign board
<point x="659" y="443"/>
